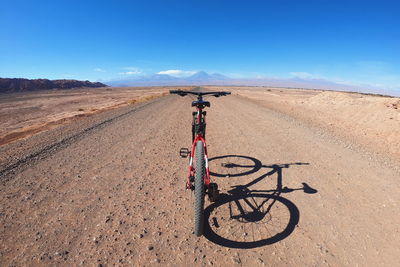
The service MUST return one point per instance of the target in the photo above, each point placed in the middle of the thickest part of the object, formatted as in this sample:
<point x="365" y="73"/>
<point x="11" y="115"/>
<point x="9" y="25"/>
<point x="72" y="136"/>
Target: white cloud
<point x="177" y="73"/>
<point x="99" y="70"/>
<point x="130" y="71"/>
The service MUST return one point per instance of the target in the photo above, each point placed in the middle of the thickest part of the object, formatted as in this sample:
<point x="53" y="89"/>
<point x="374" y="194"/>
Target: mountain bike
<point x="199" y="179"/>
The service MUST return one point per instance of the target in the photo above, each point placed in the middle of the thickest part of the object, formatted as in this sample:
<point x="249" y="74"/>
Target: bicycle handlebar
<point x="184" y="93"/>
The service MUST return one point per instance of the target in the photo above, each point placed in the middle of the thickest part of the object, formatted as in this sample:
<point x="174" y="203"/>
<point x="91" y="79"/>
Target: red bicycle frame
<point x="192" y="170"/>
<point x="198" y="134"/>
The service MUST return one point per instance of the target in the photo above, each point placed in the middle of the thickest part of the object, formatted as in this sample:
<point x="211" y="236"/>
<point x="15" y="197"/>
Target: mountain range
<point x="204" y="78"/>
<point x="8" y="85"/>
<point x="198" y="78"/>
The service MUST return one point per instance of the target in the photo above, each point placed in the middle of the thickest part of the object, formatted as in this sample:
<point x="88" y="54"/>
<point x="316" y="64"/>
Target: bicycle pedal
<point x="184" y="152"/>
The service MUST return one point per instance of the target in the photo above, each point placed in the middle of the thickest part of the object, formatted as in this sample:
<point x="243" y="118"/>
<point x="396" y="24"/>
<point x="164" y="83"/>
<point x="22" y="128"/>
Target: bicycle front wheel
<point x="199" y="189"/>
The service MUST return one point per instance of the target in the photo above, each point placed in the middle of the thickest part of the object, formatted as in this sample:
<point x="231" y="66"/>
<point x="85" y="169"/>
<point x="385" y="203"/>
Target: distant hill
<point x="8" y="85"/>
<point x="198" y="78"/>
<point x="203" y="78"/>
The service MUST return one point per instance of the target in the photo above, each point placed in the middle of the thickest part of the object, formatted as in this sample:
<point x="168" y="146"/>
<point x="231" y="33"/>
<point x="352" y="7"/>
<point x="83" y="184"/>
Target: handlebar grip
<point x="218" y="94"/>
<point x="178" y="92"/>
<point x="225" y="93"/>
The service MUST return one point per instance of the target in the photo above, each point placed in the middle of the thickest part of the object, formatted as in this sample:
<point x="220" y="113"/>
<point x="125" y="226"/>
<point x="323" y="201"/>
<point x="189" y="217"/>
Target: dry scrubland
<point x="25" y="114"/>
<point x="369" y="120"/>
<point x="309" y="178"/>
<point x="372" y="121"/>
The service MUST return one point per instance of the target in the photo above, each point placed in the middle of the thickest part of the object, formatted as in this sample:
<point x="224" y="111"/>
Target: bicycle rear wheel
<point x="199" y="190"/>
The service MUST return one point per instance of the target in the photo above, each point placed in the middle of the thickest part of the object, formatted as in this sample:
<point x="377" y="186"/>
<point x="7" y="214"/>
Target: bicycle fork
<point x="192" y="169"/>
<point x="211" y="189"/>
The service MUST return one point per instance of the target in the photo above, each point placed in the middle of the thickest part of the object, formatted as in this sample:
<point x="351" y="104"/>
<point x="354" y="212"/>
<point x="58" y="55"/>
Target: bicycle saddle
<point x="201" y="104"/>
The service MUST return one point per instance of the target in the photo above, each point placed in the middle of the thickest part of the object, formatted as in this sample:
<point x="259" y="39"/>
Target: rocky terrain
<point x="109" y="189"/>
<point x="8" y="85"/>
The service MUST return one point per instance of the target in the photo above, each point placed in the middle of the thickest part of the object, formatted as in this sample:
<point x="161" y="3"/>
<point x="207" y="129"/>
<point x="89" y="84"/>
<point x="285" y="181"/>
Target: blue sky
<point x="354" y="42"/>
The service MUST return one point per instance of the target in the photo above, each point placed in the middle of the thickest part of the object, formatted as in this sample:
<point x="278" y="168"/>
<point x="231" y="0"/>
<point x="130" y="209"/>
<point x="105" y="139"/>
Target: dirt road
<point x="109" y="190"/>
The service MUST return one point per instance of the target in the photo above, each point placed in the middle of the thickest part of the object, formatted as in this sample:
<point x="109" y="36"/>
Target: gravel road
<point x="110" y="189"/>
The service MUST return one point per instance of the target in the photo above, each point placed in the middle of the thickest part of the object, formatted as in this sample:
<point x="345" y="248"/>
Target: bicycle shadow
<point x="245" y="218"/>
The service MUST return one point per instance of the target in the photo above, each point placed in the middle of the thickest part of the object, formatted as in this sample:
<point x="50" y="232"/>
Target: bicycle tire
<point x="199" y="190"/>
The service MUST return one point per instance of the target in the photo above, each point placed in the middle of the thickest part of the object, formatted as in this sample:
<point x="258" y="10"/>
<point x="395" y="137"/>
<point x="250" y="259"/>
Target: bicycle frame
<point x="199" y="137"/>
<point x="199" y="134"/>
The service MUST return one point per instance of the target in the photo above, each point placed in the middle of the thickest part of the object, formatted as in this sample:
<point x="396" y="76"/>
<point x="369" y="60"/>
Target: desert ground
<point x="307" y="178"/>
<point x="26" y="114"/>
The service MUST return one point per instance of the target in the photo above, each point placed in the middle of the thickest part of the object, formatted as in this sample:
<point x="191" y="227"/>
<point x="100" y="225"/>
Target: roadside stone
<point x="236" y="259"/>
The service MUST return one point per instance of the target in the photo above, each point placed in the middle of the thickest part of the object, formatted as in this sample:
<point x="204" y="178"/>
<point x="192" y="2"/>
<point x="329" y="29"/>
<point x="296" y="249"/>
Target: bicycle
<point x="199" y="179"/>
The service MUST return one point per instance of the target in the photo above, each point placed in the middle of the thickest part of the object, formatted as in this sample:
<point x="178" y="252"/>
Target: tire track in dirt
<point x="52" y="148"/>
